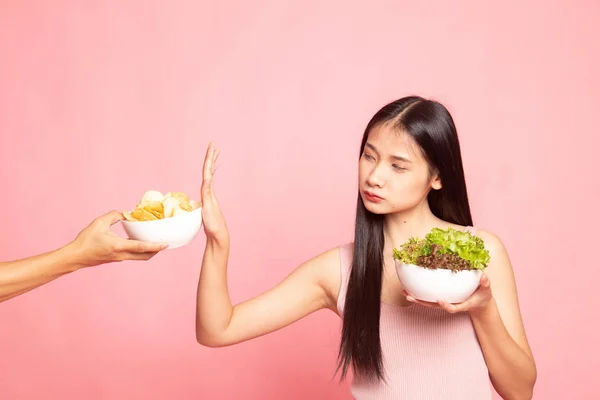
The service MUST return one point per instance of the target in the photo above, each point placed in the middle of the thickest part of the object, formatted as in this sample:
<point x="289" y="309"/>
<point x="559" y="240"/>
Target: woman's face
<point x="394" y="176"/>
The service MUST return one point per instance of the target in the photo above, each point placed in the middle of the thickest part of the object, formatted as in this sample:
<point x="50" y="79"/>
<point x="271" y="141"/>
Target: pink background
<point x="102" y="101"/>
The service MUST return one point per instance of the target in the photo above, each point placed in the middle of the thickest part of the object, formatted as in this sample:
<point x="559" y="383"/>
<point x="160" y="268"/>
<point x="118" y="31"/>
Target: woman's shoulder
<point x="491" y="240"/>
<point x="331" y="258"/>
<point x="487" y="236"/>
<point x="326" y="269"/>
<point x="346" y="250"/>
<point x="338" y="261"/>
<point x="493" y="244"/>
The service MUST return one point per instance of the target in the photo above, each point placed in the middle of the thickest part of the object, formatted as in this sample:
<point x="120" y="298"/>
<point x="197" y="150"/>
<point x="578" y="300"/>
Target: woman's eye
<point x="397" y="167"/>
<point x="368" y="156"/>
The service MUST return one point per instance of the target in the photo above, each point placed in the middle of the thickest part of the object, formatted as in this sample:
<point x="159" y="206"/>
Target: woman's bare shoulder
<point x="326" y="269"/>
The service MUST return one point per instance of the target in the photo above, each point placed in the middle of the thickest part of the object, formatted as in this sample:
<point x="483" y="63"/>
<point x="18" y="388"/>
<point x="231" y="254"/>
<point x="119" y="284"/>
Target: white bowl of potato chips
<point x="172" y="218"/>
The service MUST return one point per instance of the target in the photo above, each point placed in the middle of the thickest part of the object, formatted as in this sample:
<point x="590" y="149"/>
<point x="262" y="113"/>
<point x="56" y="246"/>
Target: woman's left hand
<point x="478" y="301"/>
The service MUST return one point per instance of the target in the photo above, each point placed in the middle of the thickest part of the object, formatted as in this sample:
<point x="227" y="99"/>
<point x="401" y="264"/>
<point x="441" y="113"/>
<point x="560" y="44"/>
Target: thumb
<point x="206" y="190"/>
<point x="111" y="218"/>
<point x="485" y="281"/>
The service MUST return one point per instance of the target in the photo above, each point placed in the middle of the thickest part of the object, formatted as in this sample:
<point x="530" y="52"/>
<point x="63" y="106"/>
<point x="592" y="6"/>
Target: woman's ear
<point x="436" y="182"/>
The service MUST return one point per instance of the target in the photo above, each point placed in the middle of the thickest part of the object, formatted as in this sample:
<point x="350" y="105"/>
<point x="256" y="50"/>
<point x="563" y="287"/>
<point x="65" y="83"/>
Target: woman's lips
<point x="372" y="197"/>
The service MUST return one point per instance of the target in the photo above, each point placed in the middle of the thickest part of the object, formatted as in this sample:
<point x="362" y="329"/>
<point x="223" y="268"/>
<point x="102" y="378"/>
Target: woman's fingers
<point x="207" y="171"/>
<point x="209" y="161"/>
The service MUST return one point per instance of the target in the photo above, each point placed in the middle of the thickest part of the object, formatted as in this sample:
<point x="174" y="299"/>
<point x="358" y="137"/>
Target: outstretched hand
<point x="212" y="218"/>
<point x="96" y="244"/>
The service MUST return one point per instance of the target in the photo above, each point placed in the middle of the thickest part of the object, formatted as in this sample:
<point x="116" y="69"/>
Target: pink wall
<point x="99" y="103"/>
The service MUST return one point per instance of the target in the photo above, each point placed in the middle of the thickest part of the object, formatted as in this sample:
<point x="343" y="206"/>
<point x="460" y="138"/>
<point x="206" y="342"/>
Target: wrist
<point x="485" y="312"/>
<point x="72" y="257"/>
<point x="219" y="241"/>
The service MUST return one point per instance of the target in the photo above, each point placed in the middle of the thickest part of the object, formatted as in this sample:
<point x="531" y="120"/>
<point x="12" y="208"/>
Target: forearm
<point x="213" y="307"/>
<point x="512" y="370"/>
<point x="21" y="276"/>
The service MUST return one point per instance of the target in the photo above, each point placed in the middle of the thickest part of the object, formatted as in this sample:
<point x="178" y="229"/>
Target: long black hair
<point x="431" y="126"/>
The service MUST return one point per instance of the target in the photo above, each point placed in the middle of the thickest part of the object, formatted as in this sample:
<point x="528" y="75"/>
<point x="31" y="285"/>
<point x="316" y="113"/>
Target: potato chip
<point x="179" y="211"/>
<point x="141" y="214"/>
<point x="154" y="205"/>
<point x="169" y="206"/>
<point x="186" y="207"/>
<point x="152" y="195"/>
<point x="182" y="197"/>
<point x="157" y="213"/>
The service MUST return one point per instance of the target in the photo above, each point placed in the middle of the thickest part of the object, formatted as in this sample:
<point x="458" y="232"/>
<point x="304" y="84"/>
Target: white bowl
<point x="437" y="284"/>
<point x="175" y="231"/>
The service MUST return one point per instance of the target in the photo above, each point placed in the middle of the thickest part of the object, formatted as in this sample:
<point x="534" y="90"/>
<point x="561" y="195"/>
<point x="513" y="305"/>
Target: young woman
<point x="411" y="180"/>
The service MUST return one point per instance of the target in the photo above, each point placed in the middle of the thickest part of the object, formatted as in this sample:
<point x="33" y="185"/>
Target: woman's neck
<point x="399" y="227"/>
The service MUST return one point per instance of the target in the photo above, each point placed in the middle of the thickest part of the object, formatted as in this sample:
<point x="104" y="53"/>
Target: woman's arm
<point x="494" y="310"/>
<point x="219" y="323"/>
<point x="306" y="290"/>
<point x="500" y="329"/>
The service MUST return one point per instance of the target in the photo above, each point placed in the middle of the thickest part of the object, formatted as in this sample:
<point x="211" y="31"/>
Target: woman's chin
<point x="373" y="208"/>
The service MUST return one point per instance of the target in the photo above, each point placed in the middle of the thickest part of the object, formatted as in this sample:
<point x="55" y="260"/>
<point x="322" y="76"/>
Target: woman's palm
<point x="212" y="218"/>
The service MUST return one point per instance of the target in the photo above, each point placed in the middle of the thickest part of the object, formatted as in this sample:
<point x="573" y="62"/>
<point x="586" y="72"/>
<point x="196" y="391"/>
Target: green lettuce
<point x="452" y="248"/>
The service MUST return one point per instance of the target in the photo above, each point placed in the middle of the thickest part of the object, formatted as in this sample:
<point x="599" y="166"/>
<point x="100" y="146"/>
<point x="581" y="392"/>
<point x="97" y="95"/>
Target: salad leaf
<point x="410" y="251"/>
<point x="439" y="242"/>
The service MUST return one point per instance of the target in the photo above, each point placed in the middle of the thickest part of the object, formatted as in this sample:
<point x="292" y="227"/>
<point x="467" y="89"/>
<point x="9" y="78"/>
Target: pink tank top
<point x="427" y="353"/>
